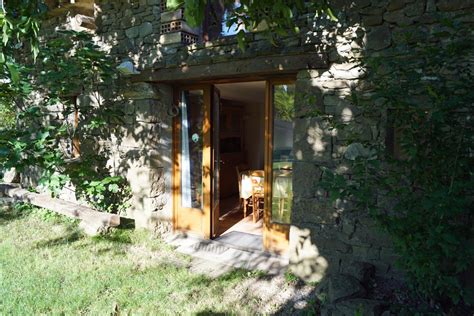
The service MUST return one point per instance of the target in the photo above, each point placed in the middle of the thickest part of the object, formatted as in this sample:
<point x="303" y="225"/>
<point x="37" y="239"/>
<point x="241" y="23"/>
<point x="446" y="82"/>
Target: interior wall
<point x="254" y="134"/>
<point x="250" y="97"/>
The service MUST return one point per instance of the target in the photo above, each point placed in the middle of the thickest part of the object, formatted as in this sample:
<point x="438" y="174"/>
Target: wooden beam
<point x="259" y="67"/>
<point x="92" y="221"/>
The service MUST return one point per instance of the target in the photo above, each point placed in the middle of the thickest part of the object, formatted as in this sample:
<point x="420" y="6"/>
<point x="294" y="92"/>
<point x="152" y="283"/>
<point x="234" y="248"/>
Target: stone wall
<point x="130" y="29"/>
<point x="330" y="237"/>
<point x="329" y="61"/>
<point x="141" y="150"/>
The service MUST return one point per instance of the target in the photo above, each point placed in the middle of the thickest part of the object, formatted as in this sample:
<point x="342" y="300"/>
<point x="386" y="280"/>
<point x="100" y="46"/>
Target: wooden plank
<point x="70" y="209"/>
<point x="258" y="67"/>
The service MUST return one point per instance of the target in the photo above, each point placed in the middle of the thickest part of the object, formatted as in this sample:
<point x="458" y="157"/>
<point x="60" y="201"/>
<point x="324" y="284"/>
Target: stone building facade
<point x="327" y="62"/>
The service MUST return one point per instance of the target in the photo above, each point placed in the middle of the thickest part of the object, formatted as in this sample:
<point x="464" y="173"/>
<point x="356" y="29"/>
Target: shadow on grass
<point x="10" y="213"/>
<point x="119" y="236"/>
<point x="72" y="235"/>
<point x="210" y="313"/>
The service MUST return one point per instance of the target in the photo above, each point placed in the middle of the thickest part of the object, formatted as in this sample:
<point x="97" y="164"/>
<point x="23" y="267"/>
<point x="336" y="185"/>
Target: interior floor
<point x="232" y="218"/>
<point x="236" y="230"/>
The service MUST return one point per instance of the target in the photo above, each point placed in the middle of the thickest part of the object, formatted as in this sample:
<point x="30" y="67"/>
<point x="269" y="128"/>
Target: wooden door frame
<point x="275" y="235"/>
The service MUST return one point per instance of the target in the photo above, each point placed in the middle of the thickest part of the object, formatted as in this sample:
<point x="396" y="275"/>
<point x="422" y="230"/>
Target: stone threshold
<point x="228" y="255"/>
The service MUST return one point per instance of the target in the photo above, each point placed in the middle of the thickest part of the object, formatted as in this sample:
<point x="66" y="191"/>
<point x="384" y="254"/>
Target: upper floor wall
<point x="154" y="38"/>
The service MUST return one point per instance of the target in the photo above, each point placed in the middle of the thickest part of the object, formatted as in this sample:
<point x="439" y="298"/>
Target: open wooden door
<point x="216" y="159"/>
<point x="279" y="115"/>
<point x="192" y="161"/>
<point x="196" y="160"/>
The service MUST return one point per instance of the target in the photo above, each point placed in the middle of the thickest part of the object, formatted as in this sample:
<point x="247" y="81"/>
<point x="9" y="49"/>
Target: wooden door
<point x="279" y="156"/>
<point x="216" y="160"/>
<point x="193" y="161"/>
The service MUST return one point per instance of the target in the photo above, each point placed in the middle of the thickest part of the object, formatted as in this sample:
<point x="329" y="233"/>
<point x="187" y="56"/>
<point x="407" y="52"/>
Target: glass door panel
<point x="283" y="96"/>
<point x="216" y="160"/>
<point x="279" y="117"/>
<point x="193" y="161"/>
<point x="192" y="117"/>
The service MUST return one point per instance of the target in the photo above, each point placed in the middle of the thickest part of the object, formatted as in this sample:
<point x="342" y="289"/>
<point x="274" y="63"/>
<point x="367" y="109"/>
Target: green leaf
<point x="14" y="72"/>
<point x="114" y="188"/>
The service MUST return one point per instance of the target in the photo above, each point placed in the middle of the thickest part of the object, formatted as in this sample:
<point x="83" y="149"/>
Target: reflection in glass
<point x="192" y="115"/>
<point x="234" y="28"/>
<point x="282" y="152"/>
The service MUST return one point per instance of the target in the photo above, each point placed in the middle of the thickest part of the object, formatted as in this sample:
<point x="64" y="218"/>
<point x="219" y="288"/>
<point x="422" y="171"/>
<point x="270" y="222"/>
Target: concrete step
<point x="225" y="254"/>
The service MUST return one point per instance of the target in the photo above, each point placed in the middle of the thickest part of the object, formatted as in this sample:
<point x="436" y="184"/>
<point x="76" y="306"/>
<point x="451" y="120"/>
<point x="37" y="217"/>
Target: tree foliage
<point x="55" y="92"/>
<point x="19" y="27"/>
<point x="273" y="17"/>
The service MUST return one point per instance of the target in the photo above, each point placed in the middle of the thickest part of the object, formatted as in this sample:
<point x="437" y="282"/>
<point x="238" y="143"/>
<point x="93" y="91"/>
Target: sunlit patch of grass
<point x="47" y="266"/>
<point x="291" y="278"/>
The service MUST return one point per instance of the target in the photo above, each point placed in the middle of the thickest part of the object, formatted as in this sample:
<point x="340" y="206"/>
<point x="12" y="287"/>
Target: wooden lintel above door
<point x="258" y="68"/>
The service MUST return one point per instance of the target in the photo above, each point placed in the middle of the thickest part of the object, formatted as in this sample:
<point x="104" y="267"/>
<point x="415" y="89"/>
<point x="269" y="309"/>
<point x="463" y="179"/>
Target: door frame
<point x="275" y="235"/>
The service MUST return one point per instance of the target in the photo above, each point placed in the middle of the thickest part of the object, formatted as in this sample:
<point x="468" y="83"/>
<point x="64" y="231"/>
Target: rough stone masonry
<point x="328" y="59"/>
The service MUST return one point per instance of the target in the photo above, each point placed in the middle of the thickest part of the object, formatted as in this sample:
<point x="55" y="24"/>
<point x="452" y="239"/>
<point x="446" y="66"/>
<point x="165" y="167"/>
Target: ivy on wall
<point x="419" y="183"/>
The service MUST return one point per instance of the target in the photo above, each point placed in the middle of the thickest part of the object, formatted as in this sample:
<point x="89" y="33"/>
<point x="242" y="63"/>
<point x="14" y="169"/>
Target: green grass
<point x="48" y="267"/>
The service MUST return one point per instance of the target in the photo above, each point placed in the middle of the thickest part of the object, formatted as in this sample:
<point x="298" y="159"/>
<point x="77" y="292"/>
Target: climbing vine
<point x="55" y="92"/>
<point x="419" y="183"/>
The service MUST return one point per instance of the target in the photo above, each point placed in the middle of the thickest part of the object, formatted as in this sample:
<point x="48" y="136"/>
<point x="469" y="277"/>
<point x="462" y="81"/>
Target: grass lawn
<point x="48" y="267"/>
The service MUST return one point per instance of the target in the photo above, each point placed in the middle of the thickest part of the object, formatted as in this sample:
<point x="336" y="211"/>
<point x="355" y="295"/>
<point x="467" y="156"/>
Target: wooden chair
<point x="243" y="202"/>
<point x="258" y="196"/>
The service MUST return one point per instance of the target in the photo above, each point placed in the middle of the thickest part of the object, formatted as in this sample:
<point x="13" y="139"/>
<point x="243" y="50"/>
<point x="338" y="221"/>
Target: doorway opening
<point x="233" y="162"/>
<point x="241" y="151"/>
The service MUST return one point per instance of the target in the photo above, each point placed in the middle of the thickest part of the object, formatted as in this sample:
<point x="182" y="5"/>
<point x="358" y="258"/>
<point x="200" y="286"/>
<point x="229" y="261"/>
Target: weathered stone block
<point x="366" y="253"/>
<point x="347" y="71"/>
<point x="145" y="29"/>
<point x="308" y="98"/>
<point x="305" y="179"/>
<point x="147" y="110"/>
<point x="397" y="17"/>
<point x="312" y="139"/>
<point x="329" y="245"/>
<point x="139" y="91"/>
<point x="342" y="287"/>
<point x="453" y="5"/>
<point x="305" y="260"/>
<point x="169" y="16"/>
<point x="313" y="211"/>
<point x="362" y="271"/>
<point x="415" y="9"/>
<point x="10" y="176"/>
<point x="372" y="20"/>
<point x="336" y="84"/>
<point x="170" y="38"/>
<point x="153" y="221"/>
<point x="132" y="32"/>
<point x="379" y="38"/>
<point x="395" y="5"/>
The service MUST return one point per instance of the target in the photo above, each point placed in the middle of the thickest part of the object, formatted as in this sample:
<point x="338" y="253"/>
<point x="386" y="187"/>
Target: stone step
<point x="225" y="254"/>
